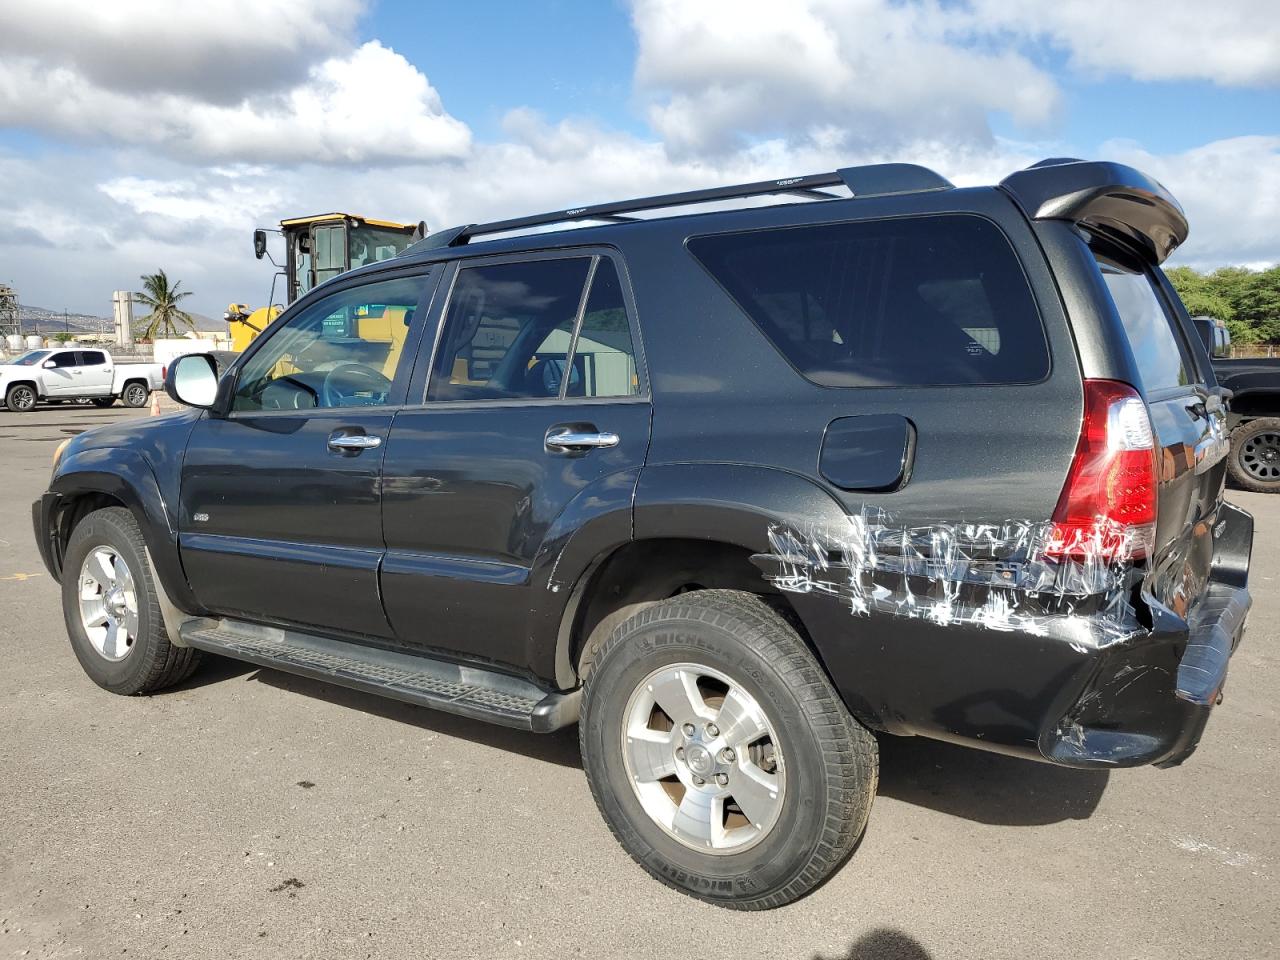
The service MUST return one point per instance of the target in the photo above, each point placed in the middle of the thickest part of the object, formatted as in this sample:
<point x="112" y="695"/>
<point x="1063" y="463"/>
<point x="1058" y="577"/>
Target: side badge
<point x="200" y="517"/>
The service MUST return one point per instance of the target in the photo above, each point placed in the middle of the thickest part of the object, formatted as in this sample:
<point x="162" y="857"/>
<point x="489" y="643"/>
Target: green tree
<point x="165" y="319"/>
<point x="1248" y="300"/>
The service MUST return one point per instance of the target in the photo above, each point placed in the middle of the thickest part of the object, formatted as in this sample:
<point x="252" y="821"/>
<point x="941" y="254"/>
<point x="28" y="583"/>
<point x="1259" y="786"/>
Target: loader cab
<point x="323" y="246"/>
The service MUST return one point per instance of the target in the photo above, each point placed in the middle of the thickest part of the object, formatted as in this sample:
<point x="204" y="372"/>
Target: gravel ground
<point x="253" y="814"/>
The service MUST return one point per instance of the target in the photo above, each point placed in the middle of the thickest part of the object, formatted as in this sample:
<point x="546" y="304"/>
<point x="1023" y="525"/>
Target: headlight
<point x="57" y="453"/>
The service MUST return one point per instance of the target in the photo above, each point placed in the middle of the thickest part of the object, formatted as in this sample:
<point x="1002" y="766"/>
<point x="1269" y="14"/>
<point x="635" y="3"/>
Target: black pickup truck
<point x="1253" y="411"/>
<point x="738" y="491"/>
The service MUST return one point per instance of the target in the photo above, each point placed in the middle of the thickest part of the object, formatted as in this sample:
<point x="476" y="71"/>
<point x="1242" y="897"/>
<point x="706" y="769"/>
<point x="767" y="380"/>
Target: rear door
<point x="1188" y="419"/>
<point x="536" y="410"/>
<point x="96" y="372"/>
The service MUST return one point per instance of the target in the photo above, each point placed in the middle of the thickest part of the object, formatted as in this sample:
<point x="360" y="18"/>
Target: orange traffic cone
<point x="155" y="403"/>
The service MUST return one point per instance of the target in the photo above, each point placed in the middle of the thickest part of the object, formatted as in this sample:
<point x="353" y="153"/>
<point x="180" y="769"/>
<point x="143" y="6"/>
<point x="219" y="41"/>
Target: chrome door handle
<point x="354" y="442"/>
<point x="572" y="440"/>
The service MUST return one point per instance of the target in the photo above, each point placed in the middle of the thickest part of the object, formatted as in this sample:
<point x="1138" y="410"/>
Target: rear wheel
<point x="104" y="401"/>
<point x="20" y="398"/>
<point x="135" y="394"/>
<point x="719" y="754"/>
<point x="1254" y="462"/>
<point x="110" y="608"/>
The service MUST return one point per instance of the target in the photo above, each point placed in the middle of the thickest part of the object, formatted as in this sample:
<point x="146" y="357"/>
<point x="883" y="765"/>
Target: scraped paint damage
<point x="999" y="576"/>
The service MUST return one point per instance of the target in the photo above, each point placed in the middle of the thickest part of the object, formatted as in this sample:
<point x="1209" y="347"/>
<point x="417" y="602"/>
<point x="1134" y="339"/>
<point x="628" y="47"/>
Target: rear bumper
<point x="1074" y="698"/>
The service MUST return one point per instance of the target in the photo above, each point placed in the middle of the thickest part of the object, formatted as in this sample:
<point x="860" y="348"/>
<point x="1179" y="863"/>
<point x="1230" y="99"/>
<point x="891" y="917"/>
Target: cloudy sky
<point x="139" y="134"/>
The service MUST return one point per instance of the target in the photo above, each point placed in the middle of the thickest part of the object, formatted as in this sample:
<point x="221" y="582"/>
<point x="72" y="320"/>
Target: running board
<point x="464" y="690"/>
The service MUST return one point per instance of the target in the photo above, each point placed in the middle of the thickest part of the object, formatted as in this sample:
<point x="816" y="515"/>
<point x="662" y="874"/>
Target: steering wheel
<point x="347" y="379"/>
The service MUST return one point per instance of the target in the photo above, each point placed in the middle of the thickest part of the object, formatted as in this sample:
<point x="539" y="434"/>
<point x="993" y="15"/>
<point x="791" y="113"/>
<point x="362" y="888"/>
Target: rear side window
<point x="92" y="358"/>
<point x="1161" y="364"/>
<point x="910" y="302"/>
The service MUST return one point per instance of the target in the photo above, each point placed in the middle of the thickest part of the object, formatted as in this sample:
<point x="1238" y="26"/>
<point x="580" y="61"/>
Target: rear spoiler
<point x="1107" y="198"/>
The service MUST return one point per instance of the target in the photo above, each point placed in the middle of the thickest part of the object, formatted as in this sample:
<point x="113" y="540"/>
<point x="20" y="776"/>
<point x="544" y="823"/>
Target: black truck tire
<point x="740" y="655"/>
<point x="1254" y="461"/>
<point x="21" y="398"/>
<point x="104" y="543"/>
<point x="135" y="394"/>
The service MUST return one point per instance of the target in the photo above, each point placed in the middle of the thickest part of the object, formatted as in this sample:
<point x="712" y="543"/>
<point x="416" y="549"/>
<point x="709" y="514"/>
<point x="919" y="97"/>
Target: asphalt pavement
<point x="253" y="814"/>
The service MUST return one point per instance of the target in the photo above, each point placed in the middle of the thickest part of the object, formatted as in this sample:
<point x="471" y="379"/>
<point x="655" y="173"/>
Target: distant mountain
<point x="40" y="320"/>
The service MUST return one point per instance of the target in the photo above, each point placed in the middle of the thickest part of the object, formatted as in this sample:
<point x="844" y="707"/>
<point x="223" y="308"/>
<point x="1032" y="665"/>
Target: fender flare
<point x="126" y="476"/>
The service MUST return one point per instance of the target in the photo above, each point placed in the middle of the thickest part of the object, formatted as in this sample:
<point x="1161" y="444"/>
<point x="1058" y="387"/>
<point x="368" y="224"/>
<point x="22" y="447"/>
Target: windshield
<point x="375" y="244"/>
<point x="30" y="359"/>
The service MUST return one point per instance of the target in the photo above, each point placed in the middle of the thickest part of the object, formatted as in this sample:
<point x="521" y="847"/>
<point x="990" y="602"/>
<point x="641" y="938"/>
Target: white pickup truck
<point x="75" y="373"/>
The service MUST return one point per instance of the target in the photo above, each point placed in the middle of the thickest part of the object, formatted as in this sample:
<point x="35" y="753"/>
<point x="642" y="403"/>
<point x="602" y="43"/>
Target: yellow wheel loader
<point x="317" y="248"/>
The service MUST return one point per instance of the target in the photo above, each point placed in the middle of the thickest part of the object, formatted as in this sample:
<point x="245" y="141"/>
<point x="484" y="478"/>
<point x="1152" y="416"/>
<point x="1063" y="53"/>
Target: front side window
<point x="908" y="302"/>
<point x="525" y="331"/>
<point x="341" y="351"/>
<point x="67" y="358"/>
<point x="1146" y="323"/>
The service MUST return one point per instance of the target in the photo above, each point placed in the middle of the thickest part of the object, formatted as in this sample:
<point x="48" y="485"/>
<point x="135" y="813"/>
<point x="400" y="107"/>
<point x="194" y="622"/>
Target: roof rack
<point x="874" y="180"/>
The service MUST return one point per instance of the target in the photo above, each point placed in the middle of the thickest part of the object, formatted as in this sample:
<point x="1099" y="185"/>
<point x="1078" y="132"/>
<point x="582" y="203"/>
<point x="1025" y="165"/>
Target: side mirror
<point x="48" y="365"/>
<point x="192" y="379"/>
<point x="1221" y="341"/>
<point x="259" y="243"/>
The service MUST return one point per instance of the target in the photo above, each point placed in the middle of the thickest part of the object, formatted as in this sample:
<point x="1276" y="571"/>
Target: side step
<point x="467" y="691"/>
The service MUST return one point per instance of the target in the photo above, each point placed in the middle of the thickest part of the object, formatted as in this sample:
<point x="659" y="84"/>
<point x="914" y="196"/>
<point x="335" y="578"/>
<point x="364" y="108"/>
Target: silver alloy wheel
<point x="135" y="395"/>
<point x="703" y="759"/>
<point x="108" y="603"/>
<point x="24" y="398"/>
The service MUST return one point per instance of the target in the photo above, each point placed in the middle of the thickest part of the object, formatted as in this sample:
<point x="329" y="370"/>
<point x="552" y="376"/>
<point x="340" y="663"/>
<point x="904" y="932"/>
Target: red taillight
<point x="1107" y="510"/>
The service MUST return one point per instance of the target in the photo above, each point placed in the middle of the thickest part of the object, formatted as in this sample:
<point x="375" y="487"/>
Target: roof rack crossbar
<point x="872" y="180"/>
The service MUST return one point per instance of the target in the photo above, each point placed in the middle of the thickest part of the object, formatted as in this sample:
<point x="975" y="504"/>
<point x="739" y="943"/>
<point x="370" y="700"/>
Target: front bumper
<point x="47" y="541"/>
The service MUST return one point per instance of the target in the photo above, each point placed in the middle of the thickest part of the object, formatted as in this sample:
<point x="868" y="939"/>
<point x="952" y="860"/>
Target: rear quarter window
<point x="915" y="301"/>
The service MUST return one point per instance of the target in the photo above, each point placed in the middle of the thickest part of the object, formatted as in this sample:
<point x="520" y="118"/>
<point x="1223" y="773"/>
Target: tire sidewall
<point x="13" y="392"/>
<point x="1239" y="437"/>
<point x="125" y="675"/>
<point x="778" y="858"/>
<point x="130" y="390"/>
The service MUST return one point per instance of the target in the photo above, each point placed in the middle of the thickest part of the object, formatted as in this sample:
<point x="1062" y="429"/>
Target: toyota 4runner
<point x="735" y="490"/>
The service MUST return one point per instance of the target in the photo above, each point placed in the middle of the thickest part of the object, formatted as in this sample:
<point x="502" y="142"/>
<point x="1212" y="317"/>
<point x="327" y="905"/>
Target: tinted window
<point x="341" y="351"/>
<point x="65" y="359"/>
<point x="1147" y="325"/>
<point x="926" y="300"/>
<point x="508" y="330"/>
<point x="92" y="358"/>
<point x="604" y="360"/>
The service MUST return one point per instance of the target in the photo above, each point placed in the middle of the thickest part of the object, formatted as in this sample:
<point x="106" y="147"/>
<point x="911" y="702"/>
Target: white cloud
<point x="269" y="81"/>
<point x="217" y="51"/>
<point x="1229" y="42"/>
<point x="724" y="73"/>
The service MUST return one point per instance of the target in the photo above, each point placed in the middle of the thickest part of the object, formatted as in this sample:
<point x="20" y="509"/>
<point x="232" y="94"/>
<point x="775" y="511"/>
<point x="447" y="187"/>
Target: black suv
<point x="736" y="491"/>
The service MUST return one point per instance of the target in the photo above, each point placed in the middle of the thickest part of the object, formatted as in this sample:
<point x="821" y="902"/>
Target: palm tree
<point x="165" y="319"/>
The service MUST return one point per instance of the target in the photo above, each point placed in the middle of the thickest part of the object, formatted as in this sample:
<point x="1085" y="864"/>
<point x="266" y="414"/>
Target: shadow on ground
<point x="559" y="748"/>
<point x="985" y="787"/>
<point x="882" y="944"/>
<point x="971" y="784"/>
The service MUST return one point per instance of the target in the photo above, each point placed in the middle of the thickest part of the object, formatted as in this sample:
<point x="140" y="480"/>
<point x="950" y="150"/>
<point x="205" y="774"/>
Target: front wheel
<point x="109" y="602"/>
<point x="720" y="755"/>
<point x="20" y="398"/>
<point x="135" y="395"/>
<point x="1254" y="462"/>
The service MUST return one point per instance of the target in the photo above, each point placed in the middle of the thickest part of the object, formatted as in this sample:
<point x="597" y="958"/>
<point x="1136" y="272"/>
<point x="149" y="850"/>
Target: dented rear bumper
<point x="1118" y="681"/>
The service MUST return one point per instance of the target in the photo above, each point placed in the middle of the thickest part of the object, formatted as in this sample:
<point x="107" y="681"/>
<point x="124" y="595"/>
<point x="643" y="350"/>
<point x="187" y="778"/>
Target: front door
<point x="63" y="375"/>
<point x="536" y="409"/>
<point x="281" y="498"/>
